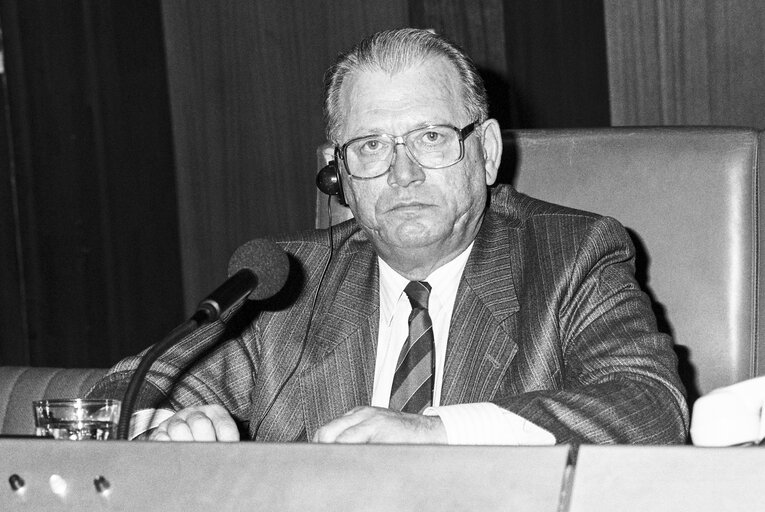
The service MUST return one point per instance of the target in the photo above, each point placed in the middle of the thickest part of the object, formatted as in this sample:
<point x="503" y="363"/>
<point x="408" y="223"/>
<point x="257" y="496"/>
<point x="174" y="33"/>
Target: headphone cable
<point x="308" y="327"/>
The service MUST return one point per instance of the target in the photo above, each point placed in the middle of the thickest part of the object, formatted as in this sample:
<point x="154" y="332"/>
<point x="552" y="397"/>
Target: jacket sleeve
<point x="617" y="379"/>
<point x="208" y="366"/>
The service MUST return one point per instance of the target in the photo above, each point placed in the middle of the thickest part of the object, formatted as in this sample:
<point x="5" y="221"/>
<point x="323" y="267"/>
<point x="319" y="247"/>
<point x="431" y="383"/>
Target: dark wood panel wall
<point x="89" y="234"/>
<point x="686" y="63"/>
<point x="245" y="84"/>
<point x="152" y="138"/>
<point x="557" y="63"/>
<point x="13" y="325"/>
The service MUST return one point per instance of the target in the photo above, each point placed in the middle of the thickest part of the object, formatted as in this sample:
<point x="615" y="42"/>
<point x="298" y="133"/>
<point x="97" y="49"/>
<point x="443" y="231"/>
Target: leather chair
<point x="689" y="197"/>
<point x="20" y="385"/>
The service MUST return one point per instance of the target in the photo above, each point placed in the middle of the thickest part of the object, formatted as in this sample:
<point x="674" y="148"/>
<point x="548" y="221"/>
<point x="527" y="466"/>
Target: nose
<point x="403" y="169"/>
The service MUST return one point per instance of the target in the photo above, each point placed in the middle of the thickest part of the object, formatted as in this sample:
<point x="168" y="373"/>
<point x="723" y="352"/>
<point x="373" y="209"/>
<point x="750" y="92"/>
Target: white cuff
<point x="147" y="419"/>
<point x="486" y="423"/>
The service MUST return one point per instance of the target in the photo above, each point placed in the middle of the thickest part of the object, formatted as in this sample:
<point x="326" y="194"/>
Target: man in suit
<point x="525" y="318"/>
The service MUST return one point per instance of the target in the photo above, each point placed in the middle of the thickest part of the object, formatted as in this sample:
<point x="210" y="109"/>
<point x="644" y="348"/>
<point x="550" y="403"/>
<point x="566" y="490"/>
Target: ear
<point x="491" y="140"/>
<point x="327" y="152"/>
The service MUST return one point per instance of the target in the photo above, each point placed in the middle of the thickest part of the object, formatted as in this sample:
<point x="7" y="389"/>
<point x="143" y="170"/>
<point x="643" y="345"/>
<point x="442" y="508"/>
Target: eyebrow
<point x="417" y="126"/>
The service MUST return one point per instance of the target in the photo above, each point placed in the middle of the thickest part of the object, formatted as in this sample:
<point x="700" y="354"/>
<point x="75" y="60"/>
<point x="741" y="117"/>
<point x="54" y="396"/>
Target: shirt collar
<point x="443" y="282"/>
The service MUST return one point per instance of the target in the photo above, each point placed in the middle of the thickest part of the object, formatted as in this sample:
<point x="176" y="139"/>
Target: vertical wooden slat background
<point x="92" y="241"/>
<point x="697" y="62"/>
<point x="14" y="335"/>
<point x="245" y="82"/>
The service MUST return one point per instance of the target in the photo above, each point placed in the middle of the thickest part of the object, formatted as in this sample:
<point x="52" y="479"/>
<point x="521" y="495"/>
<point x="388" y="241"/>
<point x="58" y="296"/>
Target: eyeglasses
<point x="431" y="147"/>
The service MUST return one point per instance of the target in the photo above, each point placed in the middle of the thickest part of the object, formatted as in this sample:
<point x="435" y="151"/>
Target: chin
<point x="413" y="235"/>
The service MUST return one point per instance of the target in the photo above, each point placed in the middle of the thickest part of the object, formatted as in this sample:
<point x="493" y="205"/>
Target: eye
<point x="432" y="137"/>
<point x="371" y="145"/>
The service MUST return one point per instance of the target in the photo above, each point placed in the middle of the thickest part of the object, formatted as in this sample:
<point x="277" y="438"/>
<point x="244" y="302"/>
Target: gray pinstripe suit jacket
<point x="548" y="323"/>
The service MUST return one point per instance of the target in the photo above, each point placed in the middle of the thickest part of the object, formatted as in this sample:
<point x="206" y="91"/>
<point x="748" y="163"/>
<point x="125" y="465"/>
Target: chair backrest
<point x="20" y="385"/>
<point x="689" y="198"/>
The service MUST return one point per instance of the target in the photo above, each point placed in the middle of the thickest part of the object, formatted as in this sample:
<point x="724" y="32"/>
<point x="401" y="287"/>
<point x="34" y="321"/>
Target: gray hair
<point x="393" y="51"/>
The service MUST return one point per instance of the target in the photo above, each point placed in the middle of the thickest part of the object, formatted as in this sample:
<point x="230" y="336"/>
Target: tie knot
<point x="418" y="293"/>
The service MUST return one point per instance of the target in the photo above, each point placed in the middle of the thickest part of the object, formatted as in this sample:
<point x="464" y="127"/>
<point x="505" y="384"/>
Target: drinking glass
<point x="76" y="419"/>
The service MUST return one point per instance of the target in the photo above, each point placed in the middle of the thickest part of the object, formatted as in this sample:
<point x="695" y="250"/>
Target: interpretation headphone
<point x="328" y="181"/>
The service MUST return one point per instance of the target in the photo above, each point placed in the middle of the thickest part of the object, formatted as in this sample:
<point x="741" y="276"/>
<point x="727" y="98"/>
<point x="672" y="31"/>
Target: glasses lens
<point x="369" y="156"/>
<point x="435" y="146"/>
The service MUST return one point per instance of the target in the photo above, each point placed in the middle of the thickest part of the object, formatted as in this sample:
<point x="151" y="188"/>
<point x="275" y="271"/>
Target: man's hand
<point x="378" y="425"/>
<point x="200" y="423"/>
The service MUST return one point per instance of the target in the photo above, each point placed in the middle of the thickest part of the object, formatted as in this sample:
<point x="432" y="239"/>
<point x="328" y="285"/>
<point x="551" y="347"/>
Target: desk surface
<point x="307" y="477"/>
<point x="668" y="478"/>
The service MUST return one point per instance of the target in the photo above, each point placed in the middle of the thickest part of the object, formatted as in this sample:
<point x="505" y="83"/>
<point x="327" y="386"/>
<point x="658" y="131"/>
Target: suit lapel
<point x="481" y="341"/>
<point x="338" y="373"/>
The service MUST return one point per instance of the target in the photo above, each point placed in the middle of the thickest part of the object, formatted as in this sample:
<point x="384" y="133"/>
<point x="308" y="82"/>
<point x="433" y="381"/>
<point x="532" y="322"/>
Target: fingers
<point x="225" y="427"/>
<point x="202" y="423"/>
<point x="338" y="427"/>
<point x="378" y="425"/>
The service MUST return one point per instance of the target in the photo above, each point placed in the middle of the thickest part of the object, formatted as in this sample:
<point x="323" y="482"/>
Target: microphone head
<point x="267" y="261"/>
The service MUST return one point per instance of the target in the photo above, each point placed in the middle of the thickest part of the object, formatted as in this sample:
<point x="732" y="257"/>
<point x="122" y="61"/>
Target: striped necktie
<point x="412" y="389"/>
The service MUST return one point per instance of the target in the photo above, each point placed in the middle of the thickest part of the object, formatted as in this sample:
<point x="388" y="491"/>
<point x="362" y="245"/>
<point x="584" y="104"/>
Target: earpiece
<point x="328" y="181"/>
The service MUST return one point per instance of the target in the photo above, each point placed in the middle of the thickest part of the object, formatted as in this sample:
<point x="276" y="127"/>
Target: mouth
<point x="409" y="207"/>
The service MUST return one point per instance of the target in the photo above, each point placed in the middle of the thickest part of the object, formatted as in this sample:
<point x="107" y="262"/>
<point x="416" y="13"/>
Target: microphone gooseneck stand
<point x="233" y="291"/>
<point x="134" y="387"/>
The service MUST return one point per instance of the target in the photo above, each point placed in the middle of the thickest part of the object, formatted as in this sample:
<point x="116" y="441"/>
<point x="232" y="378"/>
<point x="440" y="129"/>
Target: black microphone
<point x="258" y="270"/>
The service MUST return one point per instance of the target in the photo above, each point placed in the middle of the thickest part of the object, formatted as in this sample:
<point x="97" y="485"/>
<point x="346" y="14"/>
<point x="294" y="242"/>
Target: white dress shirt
<point x="476" y="423"/>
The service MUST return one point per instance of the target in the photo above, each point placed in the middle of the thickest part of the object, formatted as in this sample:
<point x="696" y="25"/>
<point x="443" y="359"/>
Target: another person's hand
<point x="200" y="423"/>
<point x="378" y="425"/>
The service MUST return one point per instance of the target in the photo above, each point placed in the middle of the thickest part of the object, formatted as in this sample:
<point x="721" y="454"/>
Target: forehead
<point x="373" y="100"/>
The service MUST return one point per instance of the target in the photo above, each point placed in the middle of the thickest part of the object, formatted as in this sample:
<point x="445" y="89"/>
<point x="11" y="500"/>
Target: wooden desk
<point x="280" y="477"/>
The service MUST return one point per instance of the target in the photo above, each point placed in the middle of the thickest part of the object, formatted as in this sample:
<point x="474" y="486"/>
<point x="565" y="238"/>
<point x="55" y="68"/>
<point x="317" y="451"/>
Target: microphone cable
<point x="308" y="327"/>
